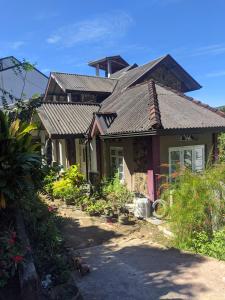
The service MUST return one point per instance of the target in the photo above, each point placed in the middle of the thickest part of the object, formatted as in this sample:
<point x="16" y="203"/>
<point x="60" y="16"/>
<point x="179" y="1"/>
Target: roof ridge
<point x="154" y="63"/>
<point x="154" y="112"/>
<point x="73" y="103"/>
<point x="193" y="100"/>
<point x="10" y="56"/>
<point x="92" y="76"/>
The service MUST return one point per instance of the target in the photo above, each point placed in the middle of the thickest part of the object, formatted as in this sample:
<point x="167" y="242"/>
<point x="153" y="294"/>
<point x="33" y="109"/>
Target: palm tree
<point x="19" y="159"/>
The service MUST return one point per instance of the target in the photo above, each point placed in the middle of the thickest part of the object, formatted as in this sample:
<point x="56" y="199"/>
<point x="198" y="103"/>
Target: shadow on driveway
<point x="145" y="272"/>
<point x="78" y="237"/>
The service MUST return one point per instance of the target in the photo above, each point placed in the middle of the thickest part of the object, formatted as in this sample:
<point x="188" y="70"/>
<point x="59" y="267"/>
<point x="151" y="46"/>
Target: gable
<point x="169" y="73"/>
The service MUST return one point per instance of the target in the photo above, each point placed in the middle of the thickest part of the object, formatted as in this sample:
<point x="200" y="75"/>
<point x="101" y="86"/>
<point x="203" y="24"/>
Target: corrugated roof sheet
<point x="175" y="110"/>
<point x="84" y="83"/>
<point x="66" y="118"/>
<point x="132" y="109"/>
<point x="179" y="111"/>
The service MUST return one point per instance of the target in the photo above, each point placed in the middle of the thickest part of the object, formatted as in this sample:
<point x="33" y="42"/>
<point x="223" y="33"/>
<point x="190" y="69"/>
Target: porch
<point x="140" y="160"/>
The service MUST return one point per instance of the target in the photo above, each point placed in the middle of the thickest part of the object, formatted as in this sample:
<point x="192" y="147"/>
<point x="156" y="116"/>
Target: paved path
<point x="138" y="270"/>
<point x="127" y="264"/>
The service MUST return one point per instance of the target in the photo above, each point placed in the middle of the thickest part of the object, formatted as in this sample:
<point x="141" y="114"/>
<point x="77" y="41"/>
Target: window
<point x="117" y="162"/>
<point x="192" y="157"/>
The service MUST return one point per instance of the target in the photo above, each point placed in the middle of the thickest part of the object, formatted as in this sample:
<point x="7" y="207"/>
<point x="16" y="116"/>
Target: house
<point x="17" y="83"/>
<point x="137" y="121"/>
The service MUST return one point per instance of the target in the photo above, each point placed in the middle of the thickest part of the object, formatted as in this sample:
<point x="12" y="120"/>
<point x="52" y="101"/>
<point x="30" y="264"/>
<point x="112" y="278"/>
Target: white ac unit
<point x="142" y="208"/>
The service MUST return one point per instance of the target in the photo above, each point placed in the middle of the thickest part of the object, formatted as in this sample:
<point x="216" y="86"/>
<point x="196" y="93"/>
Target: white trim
<point x="69" y="99"/>
<point x="117" y="157"/>
<point x="181" y="149"/>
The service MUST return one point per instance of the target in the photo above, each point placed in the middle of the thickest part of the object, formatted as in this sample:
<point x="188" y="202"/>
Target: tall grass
<point x="198" y="204"/>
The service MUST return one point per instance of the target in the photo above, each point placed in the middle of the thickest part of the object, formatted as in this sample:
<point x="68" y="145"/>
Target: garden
<point x="108" y="199"/>
<point x="195" y="208"/>
<point x="196" y="214"/>
<point x="26" y="181"/>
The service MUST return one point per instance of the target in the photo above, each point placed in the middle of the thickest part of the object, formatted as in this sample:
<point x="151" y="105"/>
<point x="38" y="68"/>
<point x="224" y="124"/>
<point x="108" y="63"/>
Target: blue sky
<point x="65" y="35"/>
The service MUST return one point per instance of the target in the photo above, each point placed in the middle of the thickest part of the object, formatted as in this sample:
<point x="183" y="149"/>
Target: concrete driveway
<point x="129" y="263"/>
<point x="137" y="269"/>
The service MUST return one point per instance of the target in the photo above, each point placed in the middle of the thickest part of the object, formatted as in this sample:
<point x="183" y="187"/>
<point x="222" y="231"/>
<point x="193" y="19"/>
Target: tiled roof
<point x="66" y="118"/>
<point x="151" y="105"/>
<point x="76" y="82"/>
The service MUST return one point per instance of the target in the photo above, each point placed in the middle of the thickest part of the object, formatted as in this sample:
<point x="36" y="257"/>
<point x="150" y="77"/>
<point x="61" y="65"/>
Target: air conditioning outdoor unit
<point x="142" y="208"/>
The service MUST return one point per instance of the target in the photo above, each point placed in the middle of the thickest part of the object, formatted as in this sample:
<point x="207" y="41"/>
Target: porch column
<point x="93" y="155"/>
<point x="62" y="153"/>
<point x="54" y="154"/>
<point x="154" y="167"/>
<point x="103" y="157"/>
<point x="99" y="156"/>
<point x="42" y="136"/>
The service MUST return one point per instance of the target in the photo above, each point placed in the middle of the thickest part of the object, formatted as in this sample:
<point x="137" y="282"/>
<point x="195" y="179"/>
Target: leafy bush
<point x="214" y="247"/>
<point x="116" y="193"/>
<point x="11" y="255"/>
<point x="96" y="207"/>
<point x="46" y="240"/>
<point x="198" y="204"/>
<point x="70" y="186"/>
<point x="221" y="146"/>
<point x="61" y="187"/>
<point x="74" y="176"/>
<point x="51" y="174"/>
<point x="20" y="159"/>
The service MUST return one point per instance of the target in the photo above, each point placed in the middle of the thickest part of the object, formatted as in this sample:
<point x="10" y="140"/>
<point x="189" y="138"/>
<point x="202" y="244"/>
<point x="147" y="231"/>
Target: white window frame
<point x="182" y="149"/>
<point x="117" y="149"/>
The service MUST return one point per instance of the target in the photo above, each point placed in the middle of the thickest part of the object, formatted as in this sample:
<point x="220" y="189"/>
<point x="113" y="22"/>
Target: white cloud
<point x="216" y="74"/>
<point x="215" y="49"/>
<point x="104" y="27"/>
<point x="53" y="39"/>
<point x="16" y="45"/>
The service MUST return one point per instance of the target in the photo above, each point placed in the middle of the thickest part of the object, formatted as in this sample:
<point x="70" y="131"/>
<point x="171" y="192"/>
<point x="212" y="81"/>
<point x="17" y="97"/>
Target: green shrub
<point x="11" y="255"/>
<point x="198" y="204"/>
<point x="74" y="176"/>
<point x="61" y="187"/>
<point x="116" y="193"/>
<point x="214" y="247"/>
<point x="51" y="174"/>
<point x="20" y="159"/>
<point x="96" y="207"/>
<point x="70" y="187"/>
<point x="46" y="240"/>
<point x="221" y="146"/>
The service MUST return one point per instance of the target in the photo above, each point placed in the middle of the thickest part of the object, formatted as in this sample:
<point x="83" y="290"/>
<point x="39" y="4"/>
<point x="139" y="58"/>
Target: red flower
<point x="52" y="208"/>
<point x="17" y="258"/>
<point x="14" y="235"/>
<point x="11" y="242"/>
